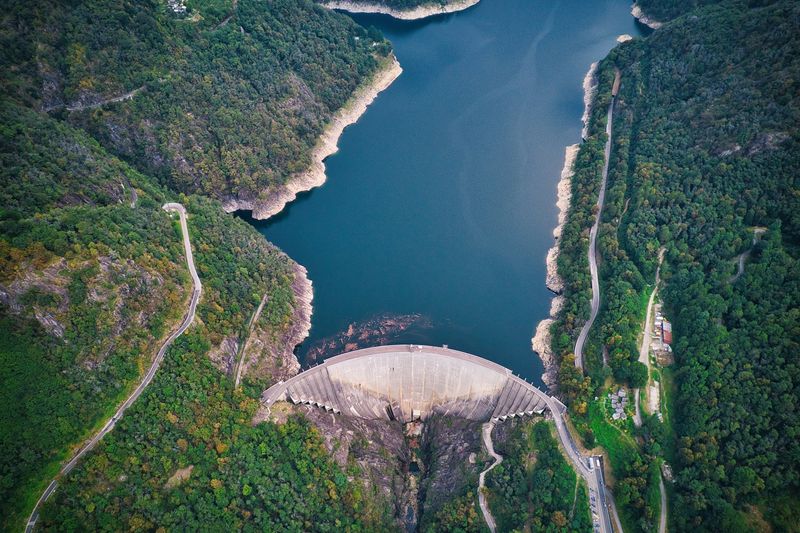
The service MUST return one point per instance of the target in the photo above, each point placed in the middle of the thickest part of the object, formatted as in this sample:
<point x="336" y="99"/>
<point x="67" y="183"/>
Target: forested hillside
<point x="108" y="110"/>
<point x="93" y="279"/>
<point x="225" y="98"/>
<point x="662" y="10"/>
<point x="535" y="488"/>
<point x="705" y="150"/>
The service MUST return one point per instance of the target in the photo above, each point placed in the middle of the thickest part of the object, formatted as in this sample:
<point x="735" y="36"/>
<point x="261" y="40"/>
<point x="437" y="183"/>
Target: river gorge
<point x="439" y="207"/>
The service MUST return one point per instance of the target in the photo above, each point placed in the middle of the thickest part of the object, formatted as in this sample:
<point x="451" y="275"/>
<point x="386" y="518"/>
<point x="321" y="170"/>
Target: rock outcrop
<point x="639" y="15"/>
<point x="377" y="331"/>
<point x="271" y="356"/>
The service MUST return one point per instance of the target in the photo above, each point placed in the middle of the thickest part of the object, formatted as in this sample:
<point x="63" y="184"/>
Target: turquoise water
<point x="441" y="199"/>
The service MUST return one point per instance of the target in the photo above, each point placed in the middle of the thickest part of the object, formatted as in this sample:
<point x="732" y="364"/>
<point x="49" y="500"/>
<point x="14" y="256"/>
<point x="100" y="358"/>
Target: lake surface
<point x="441" y="199"/>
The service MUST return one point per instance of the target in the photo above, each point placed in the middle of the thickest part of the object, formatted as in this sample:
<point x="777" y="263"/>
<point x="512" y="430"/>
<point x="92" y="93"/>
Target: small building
<point x="666" y="332"/>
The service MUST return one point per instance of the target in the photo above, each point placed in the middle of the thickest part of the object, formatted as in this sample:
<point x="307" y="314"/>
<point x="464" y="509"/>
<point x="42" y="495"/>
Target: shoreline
<point x="327" y="145"/>
<point x="419" y="12"/>
<point x="589" y="89"/>
<point x="640" y="15"/>
<point x="541" y="341"/>
<point x="303" y="290"/>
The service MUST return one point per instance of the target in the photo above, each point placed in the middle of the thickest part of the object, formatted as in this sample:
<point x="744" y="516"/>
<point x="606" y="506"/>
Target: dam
<point x="411" y="382"/>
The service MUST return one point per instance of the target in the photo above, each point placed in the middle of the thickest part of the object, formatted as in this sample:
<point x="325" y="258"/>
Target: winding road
<point x="148" y="377"/>
<point x="593" y="233"/>
<point x="487" y="441"/>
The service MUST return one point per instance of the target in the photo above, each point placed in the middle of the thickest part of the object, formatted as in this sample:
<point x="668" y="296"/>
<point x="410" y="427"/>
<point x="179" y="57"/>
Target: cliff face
<point x="453" y="457"/>
<point x="412" y="469"/>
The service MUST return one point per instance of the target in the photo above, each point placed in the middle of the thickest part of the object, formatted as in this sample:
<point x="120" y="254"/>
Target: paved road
<point x="148" y="377"/>
<point x="593" y="240"/>
<point x="589" y="468"/>
<point x="487" y="441"/>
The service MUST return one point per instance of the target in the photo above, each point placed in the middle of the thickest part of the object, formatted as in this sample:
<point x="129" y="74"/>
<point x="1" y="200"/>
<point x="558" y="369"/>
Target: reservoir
<point x="440" y="203"/>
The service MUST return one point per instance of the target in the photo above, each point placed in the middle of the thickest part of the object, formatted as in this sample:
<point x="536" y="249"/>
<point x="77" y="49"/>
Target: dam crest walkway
<point x="410" y="382"/>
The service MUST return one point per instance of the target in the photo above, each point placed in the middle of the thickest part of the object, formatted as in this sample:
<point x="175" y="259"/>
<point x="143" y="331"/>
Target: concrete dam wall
<point x="409" y="382"/>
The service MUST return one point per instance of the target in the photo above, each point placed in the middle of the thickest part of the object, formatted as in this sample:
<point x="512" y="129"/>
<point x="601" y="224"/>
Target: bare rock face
<point x="448" y="443"/>
<point x="767" y="142"/>
<point x="639" y="15"/>
<point x="270" y="354"/>
<point x="377" y="447"/>
<point x="415" y="468"/>
<point x="541" y="343"/>
<point x="224" y="356"/>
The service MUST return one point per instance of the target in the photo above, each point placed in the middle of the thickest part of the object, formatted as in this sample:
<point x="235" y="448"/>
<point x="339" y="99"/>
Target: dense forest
<point x="109" y="110"/>
<point x="705" y="150"/>
<point x="535" y="488"/>
<point x="226" y="97"/>
<point x="662" y="10"/>
<point x="93" y="278"/>
<point x="187" y="456"/>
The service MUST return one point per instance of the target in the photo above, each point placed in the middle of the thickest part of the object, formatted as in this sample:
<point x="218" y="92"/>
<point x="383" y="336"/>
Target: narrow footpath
<point x="593" y="233"/>
<point x="487" y="441"/>
<point x="83" y="107"/>
<point x="148" y="377"/>
<point x="240" y="356"/>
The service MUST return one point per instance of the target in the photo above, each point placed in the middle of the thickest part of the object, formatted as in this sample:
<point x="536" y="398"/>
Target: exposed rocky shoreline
<point x="327" y="145"/>
<point x="419" y="12"/>
<point x="541" y="341"/>
<point x="589" y="89"/>
<point x="285" y="363"/>
<point x="639" y="15"/>
<point x="378" y="330"/>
